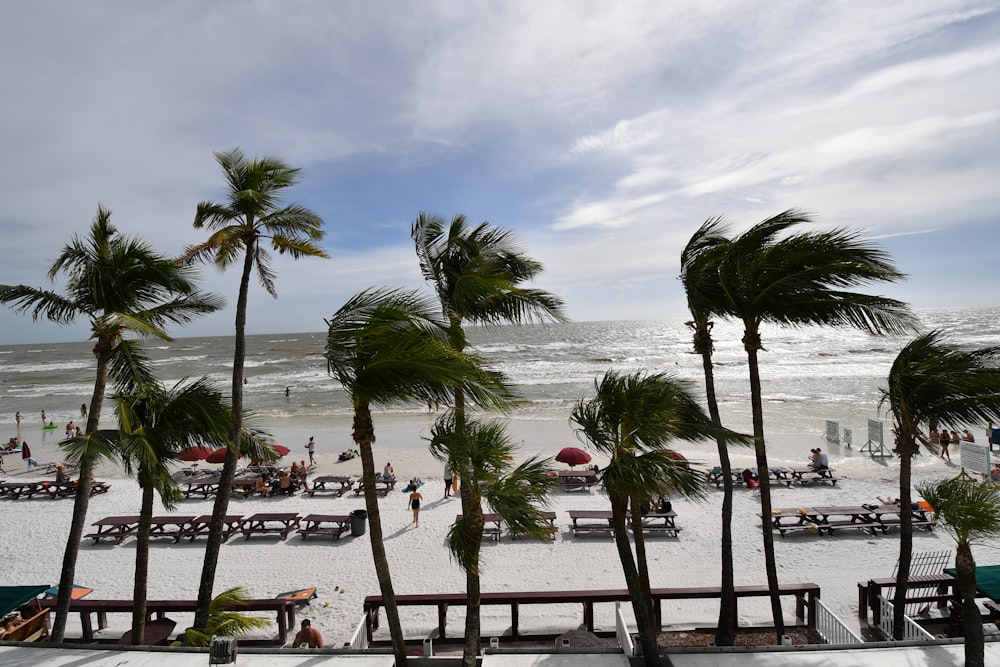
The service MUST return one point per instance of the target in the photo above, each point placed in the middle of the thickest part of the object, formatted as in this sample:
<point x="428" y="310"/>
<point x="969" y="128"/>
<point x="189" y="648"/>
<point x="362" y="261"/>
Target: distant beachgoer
<point x="448" y="477"/>
<point x="43" y="417"/>
<point x="288" y="391"/>
<point x="945" y="440"/>
<point x="83" y="410"/>
<point x="26" y="455"/>
<point x="70" y="428"/>
<point x="17" y="418"/>
<point x="934" y="436"/>
<point x="78" y="432"/>
<point x="308" y="636"/>
<point x="387" y="471"/>
<point x="61" y="477"/>
<point x="967" y="436"/>
<point x="311" y="446"/>
<point x="414" y="504"/>
<point x="2" y="469"/>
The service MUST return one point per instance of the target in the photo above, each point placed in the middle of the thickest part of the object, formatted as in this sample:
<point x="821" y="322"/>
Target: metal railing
<point x="911" y="629"/>
<point x="621" y="631"/>
<point x="832" y="629"/>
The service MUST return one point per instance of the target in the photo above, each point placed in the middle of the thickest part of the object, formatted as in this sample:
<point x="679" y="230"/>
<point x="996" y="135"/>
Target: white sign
<point x="875" y="431"/>
<point x="832" y="431"/>
<point x="975" y="458"/>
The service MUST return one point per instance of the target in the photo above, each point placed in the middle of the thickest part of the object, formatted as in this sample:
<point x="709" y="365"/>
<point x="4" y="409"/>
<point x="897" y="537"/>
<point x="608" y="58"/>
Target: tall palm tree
<point x="798" y="280"/>
<point x="630" y="420"/>
<point x="154" y="425"/>
<point x="970" y="511"/>
<point x="478" y="274"/>
<point x="125" y="289"/>
<point x="937" y="383"/>
<point x="241" y="227"/>
<point x="515" y="493"/>
<point x="700" y="277"/>
<point x="385" y="346"/>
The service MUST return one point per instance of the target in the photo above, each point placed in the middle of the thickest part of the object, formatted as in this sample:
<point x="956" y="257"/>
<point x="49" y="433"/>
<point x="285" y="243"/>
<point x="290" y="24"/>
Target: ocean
<point x="809" y="376"/>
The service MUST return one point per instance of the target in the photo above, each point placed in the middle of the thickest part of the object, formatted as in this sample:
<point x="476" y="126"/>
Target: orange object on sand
<point x="924" y="505"/>
<point x="301" y="595"/>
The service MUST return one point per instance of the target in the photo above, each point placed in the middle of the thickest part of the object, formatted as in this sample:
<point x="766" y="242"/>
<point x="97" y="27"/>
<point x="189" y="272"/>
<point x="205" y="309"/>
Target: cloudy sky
<point x="602" y="133"/>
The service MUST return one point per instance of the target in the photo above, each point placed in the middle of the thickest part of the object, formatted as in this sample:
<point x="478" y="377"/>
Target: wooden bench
<point x="232" y="524"/>
<point x="319" y="485"/>
<point x="382" y="486"/>
<point x="263" y="523"/>
<point x="156" y="633"/>
<point x="805" y="602"/>
<point x="577" y="479"/>
<point x="869" y="592"/>
<point x="159" y="609"/>
<point x="806" y="476"/>
<point x="340" y="524"/>
<point x="34" y="627"/>
<point x="15" y="490"/>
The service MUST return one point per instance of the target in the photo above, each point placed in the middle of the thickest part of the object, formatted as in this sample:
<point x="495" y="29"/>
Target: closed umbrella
<point x="282" y="450"/>
<point x="572" y="456"/>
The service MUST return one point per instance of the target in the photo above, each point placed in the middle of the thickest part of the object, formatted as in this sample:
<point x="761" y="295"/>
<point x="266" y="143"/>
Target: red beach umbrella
<point x="194" y="453"/>
<point x="572" y="456"/>
<point x="281" y="449"/>
<point x="676" y="456"/>
<point x="218" y="456"/>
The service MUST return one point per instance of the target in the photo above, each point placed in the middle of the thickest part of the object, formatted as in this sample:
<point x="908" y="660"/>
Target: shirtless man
<point x="308" y="635"/>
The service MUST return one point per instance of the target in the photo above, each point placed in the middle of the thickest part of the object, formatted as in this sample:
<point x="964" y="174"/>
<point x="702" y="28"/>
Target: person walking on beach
<point x="448" y="477"/>
<point x="414" y="504"/>
<point x="26" y="455"/>
<point x="311" y="447"/>
<point x="945" y="440"/>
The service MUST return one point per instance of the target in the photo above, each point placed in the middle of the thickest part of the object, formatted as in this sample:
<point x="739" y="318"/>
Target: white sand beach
<point x="343" y="573"/>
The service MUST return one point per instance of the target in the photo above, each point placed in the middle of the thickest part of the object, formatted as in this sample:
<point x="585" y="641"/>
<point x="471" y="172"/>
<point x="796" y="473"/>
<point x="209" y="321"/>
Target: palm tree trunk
<point x="81" y="501"/>
<point x="364" y="436"/>
<point x="141" y="563"/>
<point x="770" y="564"/>
<point x="972" y="622"/>
<point x="221" y="506"/>
<point x="642" y="609"/>
<point x="725" y="632"/>
<point x="905" y="536"/>
<point x="473" y="591"/>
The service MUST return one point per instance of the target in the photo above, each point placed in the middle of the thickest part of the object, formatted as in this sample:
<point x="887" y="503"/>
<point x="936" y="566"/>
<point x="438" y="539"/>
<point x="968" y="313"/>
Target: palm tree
<point x="700" y="277"/>
<point x="515" y="493"/>
<point x="933" y="382"/>
<point x="970" y="511"/>
<point x="155" y="424"/>
<point x="385" y="346"/>
<point x="124" y="288"/>
<point x="478" y="274"/>
<point x="630" y="420"/>
<point x="222" y="621"/>
<point x="240" y="228"/>
<point x="799" y="280"/>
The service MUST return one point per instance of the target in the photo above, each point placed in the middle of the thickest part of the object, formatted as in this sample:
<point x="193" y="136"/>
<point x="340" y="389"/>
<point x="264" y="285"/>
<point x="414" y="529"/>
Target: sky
<point x="603" y="134"/>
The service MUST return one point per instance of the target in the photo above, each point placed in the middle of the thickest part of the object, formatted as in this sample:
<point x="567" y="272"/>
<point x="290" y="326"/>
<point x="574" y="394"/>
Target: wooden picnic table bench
<point x="919" y="517"/>
<point x="156" y="633"/>
<point x="382" y="486"/>
<point x="805" y="595"/>
<point x="263" y="523"/>
<point x="777" y="473"/>
<point x="601" y="521"/>
<point x="577" y="479"/>
<point x="244" y="487"/>
<point x="115" y="528"/>
<point x="232" y="524"/>
<point x="202" y="486"/>
<point x="944" y="585"/>
<point x="660" y="522"/>
<point x="492" y="525"/>
<point x="804" y="476"/>
<point x="338" y="524"/>
<point x="822" y="519"/>
<point x="284" y="610"/>
<point x="319" y="485"/>
<point x="15" y="490"/>
<point x="68" y="489"/>
<point x="169" y="525"/>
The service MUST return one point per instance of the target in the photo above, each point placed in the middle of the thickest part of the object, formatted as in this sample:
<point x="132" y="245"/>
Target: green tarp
<point x="987" y="580"/>
<point x="12" y="597"/>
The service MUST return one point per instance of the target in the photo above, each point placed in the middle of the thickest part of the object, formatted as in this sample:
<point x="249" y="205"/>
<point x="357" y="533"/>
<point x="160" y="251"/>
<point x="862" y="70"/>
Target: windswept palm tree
<point x="385" y="346"/>
<point x="478" y="274"/>
<point x="700" y="260"/>
<point x="125" y="289"/>
<point x="154" y="425"/>
<point x="515" y="493"/>
<point x="797" y="280"/>
<point x="970" y="511"/>
<point x="223" y="620"/>
<point x="631" y="420"/>
<point x="936" y="383"/>
<point x="252" y="218"/>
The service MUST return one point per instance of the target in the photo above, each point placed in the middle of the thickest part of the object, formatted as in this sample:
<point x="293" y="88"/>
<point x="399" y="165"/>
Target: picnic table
<point x="577" y="479"/>
<point x="115" y="528"/>
<point x="325" y="524"/>
<point x="492" y="525"/>
<point x="68" y="489"/>
<point x="319" y="484"/>
<point x="281" y="523"/>
<point x="596" y="521"/>
<point x="660" y="522"/>
<point x="15" y="490"/>
<point x="169" y="525"/>
<point x="232" y="524"/>
<point x="777" y="473"/>
<point x="804" y="476"/>
<point x="382" y="486"/>
<point x="202" y="486"/>
<point x="244" y="486"/>
<point x="919" y="516"/>
<point x="824" y="519"/>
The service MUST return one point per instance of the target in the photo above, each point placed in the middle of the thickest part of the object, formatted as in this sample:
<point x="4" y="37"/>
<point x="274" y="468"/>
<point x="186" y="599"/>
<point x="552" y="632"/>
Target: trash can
<point x="358" y="520"/>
